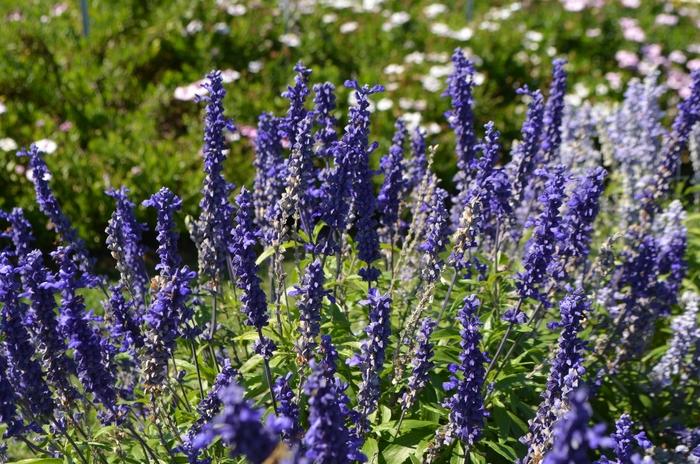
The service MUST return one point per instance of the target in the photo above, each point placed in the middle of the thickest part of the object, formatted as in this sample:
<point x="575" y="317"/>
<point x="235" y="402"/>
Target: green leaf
<point x="371" y="450"/>
<point x="396" y="454"/>
<point x="504" y="450"/>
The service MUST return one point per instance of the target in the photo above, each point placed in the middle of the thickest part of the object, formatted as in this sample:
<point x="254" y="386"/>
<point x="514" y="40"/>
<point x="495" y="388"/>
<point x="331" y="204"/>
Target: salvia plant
<point x="527" y="310"/>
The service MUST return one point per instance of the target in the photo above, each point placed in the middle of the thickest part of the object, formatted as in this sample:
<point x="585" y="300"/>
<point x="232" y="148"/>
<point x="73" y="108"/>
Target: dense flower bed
<point x="329" y="321"/>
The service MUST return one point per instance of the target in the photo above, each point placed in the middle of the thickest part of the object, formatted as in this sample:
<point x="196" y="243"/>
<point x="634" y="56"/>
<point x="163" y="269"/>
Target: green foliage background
<point x="116" y="86"/>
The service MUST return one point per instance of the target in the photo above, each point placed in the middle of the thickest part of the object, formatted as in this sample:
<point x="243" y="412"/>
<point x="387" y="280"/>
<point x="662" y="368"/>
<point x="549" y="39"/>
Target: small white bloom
<point x="47" y="146"/>
<point x="412" y="120"/>
<point x="399" y="18"/>
<point x="430" y="83"/>
<point x="666" y="20"/>
<point x="222" y="28"/>
<point x="573" y="100"/>
<point x="59" y="9"/>
<point x="415" y="58"/>
<point x="440" y="70"/>
<point x="329" y="18"/>
<point x="433" y="128"/>
<point x="190" y="91"/>
<point x="677" y="56"/>
<point x="534" y="36"/>
<point x="440" y="57"/>
<point x="230" y="75"/>
<point x="8" y="144"/>
<point x="489" y="26"/>
<point x="290" y="39"/>
<point x="255" y="66"/>
<point x="434" y="9"/>
<point x="384" y="104"/>
<point x="347" y="28"/>
<point x="236" y="10"/>
<point x="581" y="90"/>
<point x="441" y="29"/>
<point x="3" y="108"/>
<point x="394" y="69"/>
<point x="194" y="26"/>
<point x="463" y="34"/>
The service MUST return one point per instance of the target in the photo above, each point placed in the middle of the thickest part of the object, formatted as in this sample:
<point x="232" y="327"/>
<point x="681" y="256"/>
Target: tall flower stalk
<point x="49" y="205"/>
<point x="211" y="231"/>
<point x="254" y="302"/>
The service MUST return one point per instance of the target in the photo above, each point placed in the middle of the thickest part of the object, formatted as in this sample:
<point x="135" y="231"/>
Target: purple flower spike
<point x="48" y="204"/>
<point x="553" y="113"/>
<point x="166" y="204"/>
<point x="371" y="356"/>
<point x="573" y="437"/>
<point x="242" y="249"/>
<point x="24" y="370"/>
<point x="241" y="429"/>
<point x="124" y="241"/>
<point x="466" y="405"/>
<point x="20" y="232"/>
<point x="328" y="439"/>
<point x="211" y="231"/>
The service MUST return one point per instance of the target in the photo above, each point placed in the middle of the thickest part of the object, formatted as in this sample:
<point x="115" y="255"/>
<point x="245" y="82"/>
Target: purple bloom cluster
<point x="166" y="204"/>
<point x="688" y="115"/>
<point x="8" y="402"/>
<point x="355" y="143"/>
<point x="270" y="169"/>
<point x="48" y="204"/>
<point x="576" y="227"/>
<point x="207" y="409"/>
<point x="436" y="237"/>
<point x="288" y="409"/>
<point x="165" y="319"/>
<point x="421" y="362"/>
<point x="565" y="372"/>
<point x="297" y="97"/>
<point x="324" y="105"/>
<point x="391" y="191"/>
<point x="242" y="249"/>
<point x="211" y="231"/>
<point x="672" y="242"/>
<point x="24" y="370"/>
<point x="328" y="440"/>
<point x="573" y="438"/>
<point x="20" y="232"/>
<point x="42" y="316"/>
<point x="461" y="118"/>
<point x="90" y="351"/>
<point x="124" y="241"/>
<point x="371" y="356"/>
<point x="626" y="443"/>
<point x="240" y="428"/>
<point x="125" y="326"/>
<point x="418" y="163"/>
<point x="488" y="200"/>
<point x="523" y="160"/>
<point x="553" y="113"/>
<point x="466" y="405"/>
<point x="677" y="363"/>
<point x="310" y="297"/>
<point x="540" y="249"/>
